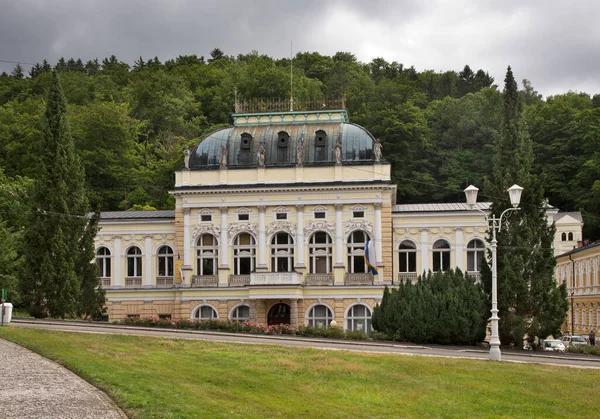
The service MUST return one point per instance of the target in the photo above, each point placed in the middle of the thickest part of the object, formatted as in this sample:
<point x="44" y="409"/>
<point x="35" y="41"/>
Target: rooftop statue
<point x="186" y="157"/>
<point x="377" y="150"/>
<point x="260" y="155"/>
<point x="299" y="151"/>
<point x="224" y="153"/>
<point x="338" y="152"/>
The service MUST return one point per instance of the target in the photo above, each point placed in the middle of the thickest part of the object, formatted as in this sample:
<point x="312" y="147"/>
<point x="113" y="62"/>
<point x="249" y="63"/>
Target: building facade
<point x="271" y="222"/>
<point x="580" y="270"/>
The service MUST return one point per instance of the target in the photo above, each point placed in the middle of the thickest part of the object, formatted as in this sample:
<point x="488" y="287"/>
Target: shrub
<point x="584" y="349"/>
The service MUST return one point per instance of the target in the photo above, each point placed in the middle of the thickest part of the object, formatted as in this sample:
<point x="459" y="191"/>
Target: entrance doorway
<point x="279" y="314"/>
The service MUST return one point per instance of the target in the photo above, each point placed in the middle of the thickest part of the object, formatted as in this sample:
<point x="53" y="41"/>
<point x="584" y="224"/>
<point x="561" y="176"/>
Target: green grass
<point x="152" y="377"/>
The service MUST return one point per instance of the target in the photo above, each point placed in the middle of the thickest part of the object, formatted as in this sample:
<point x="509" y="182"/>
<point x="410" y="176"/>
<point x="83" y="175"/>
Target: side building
<point x="271" y="222"/>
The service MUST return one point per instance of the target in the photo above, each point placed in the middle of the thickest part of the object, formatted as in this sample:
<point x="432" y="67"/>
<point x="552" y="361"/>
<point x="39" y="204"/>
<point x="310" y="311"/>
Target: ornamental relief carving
<point x="313" y="226"/>
<point x="280" y="225"/>
<point x="201" y="229"/>
<point x="352" y="225"/>
<point x="236" y="228"/>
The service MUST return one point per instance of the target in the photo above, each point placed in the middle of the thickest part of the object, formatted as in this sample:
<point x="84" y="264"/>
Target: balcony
<point x="476" y="276"/>
<point x="133" y="281"/>
<point x="239" y="280"/>
<point x="358" y="279"/>
<point x="164" y="281"/>
<point x="105" y="282"/>
<point x="319" y="279"/>
<point x="405" y="277"/>
<point x="205" y="281"/>
<point x="275" y="278"/>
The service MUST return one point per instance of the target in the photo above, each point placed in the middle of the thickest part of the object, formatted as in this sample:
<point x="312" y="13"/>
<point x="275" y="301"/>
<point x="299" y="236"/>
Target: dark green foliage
<point x="445" y="307"/>
<point x="529" y="301"/>
<point x="59" y="238"/>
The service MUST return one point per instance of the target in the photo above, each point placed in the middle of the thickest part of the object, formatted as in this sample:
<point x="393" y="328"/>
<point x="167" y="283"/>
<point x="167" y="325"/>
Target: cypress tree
<point x="529" y="301"/>
<point x="59" y="238"/>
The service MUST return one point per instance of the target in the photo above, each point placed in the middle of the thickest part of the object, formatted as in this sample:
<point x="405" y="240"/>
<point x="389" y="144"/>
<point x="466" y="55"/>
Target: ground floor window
<point x="359" y="318"/>
<point x="205" y="313"/>
<point x="319" y="316"/>
<point x="240" y="314"/>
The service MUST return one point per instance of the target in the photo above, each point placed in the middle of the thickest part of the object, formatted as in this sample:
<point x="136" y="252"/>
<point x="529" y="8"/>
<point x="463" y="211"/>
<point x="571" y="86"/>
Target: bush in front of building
<point x="584" y="349"/>
<point x="443" y="307"/>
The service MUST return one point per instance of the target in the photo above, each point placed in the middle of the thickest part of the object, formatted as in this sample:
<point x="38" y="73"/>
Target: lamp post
<point x="495" y="224"/>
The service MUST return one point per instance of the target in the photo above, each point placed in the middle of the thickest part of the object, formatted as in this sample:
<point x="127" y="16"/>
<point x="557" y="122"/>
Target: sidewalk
<point x="34" y="387"/>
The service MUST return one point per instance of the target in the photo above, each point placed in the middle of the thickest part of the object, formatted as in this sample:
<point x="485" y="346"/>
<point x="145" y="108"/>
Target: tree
<point x="529" y="301"/>
<point x="59" y="235"/>
<point x="17" y="72"/>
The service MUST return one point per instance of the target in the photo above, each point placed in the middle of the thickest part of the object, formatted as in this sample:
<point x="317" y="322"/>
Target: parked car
<point x="553" y="345"/>
<point x="573" y="340"/>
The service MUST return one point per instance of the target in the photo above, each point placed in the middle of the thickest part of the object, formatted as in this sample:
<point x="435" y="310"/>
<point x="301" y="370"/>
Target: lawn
<point x="152" y="377"/>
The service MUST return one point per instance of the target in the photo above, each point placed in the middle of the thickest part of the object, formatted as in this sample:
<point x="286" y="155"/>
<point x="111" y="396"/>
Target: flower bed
<point x="247" y="327"/>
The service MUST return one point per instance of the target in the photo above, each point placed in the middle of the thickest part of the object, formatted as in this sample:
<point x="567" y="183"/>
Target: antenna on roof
<point x="291" y="78"/>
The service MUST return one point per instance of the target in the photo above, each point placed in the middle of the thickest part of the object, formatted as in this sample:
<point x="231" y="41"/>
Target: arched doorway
<point x="279" y="314"/>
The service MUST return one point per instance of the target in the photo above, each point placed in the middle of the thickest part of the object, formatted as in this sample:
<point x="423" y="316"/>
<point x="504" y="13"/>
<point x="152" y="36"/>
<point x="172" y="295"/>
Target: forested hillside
<point x="131" y="123"/>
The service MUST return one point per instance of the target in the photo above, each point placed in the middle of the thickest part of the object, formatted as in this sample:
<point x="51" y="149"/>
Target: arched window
<point x="240" y="314"/>
<point x="570" y="237"/>
<point x="206" y="255"/>
<point x="356" y="252"/>
<point x="563" y="237"/>
<point x="475" y="255"/>
<point x="441" y="255"/>
<point x="359" y="318"/>
<point x="319" y="253"/>
<point x="408" y="256"/>
<point x="244" y="254"/>
<point x="319" y="316"/>
<point x="103" y="262"/>
<point x="282" y="253"/>
<point x="134" y="262"/>
<point x="165" y="261"/>
<point x="205" y="313"/>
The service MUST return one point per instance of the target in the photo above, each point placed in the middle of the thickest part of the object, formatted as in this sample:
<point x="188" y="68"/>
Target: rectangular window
<point x="320" y="215"/>
<point x="408" y="262"/>
<point x="281" y="216"/>
<point x="358" y="214"/>
<point x="133" y="316"/>
<point x="243" y="217"/>
<point x="206" y="218"/>
<point x="245" y="266"/>
<point x="164" y="316"/>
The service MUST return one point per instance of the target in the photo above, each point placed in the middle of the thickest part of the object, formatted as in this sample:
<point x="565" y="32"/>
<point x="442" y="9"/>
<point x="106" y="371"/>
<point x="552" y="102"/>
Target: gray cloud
<point x="553" y="44"/>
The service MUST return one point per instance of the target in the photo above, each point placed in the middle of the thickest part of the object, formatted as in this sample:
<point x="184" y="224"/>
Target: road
<point x="569" y="360"/>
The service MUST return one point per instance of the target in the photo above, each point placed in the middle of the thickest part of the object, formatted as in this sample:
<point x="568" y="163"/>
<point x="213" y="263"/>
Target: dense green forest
<point x="130" y="123"/>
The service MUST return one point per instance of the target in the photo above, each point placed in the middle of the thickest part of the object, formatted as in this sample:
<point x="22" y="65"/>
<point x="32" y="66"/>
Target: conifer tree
<point x="529" y="301"/>
<point x="59" y="235"/>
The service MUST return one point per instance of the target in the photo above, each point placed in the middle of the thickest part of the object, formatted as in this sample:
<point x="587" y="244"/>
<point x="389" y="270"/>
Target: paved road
<point x="571" y="360"/>
<point x="34" y="387"/>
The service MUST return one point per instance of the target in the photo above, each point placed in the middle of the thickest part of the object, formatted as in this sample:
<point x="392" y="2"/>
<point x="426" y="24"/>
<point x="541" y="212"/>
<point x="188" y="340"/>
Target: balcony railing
<point x="205" y="281"/>
<point x="476" y="276"/>
<point x="319" y="279"/>
<point x="404" y="277"/>
<point x="358" y="279"/>
<point x="275" y="278"/>
<point x="105" y="282"/>
<point x="164" y="281"/>
<point x="239" y="280"/>
<point x="135" y="281"/>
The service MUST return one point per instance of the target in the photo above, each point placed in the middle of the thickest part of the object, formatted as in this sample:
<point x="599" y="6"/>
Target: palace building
<point x="271" y="222"/>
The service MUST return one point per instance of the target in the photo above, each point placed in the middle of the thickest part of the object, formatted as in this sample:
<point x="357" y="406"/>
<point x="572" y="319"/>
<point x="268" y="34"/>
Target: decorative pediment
<point x="281" y="209"/>
<point x="314" y="226"/>
<point x="352" y="225"/>
<point x="281" y="225"/>
<point x="205" y="211"/>
<point x="358" y="207"/>
<point x="243" y="210"/>
<point x="320" y="208"/>
<point x="237" y="228"/>
<point x="201" y="229"/>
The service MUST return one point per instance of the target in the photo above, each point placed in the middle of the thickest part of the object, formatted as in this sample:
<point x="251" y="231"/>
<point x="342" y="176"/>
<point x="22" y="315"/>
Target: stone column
<point x="459" y="254"/>
<point x="294" y="312"/>
<point x="117" y="279"/>
<point x="339" y="235"/>
<point x="262" y="257"/>
<point x="300" y="236"/>
<point x="148" y="261"/>
<point x="224" y="247"/>
<point x="378" y="247"/>
<point x="186" y="237"/>
<point x="424" y="251"/>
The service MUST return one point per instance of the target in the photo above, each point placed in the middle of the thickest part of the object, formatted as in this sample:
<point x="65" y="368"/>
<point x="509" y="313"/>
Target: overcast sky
<point x="553" y="43"/>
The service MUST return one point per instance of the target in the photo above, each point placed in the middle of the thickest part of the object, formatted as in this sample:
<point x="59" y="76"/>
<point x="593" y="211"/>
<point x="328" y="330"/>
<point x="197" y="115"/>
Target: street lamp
<point x="514" y="192"/>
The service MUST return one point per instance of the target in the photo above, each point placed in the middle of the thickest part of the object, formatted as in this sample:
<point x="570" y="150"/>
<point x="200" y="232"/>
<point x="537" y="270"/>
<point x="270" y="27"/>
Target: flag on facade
<point x="370" y="257"/>
<point x="180" y="269"/>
